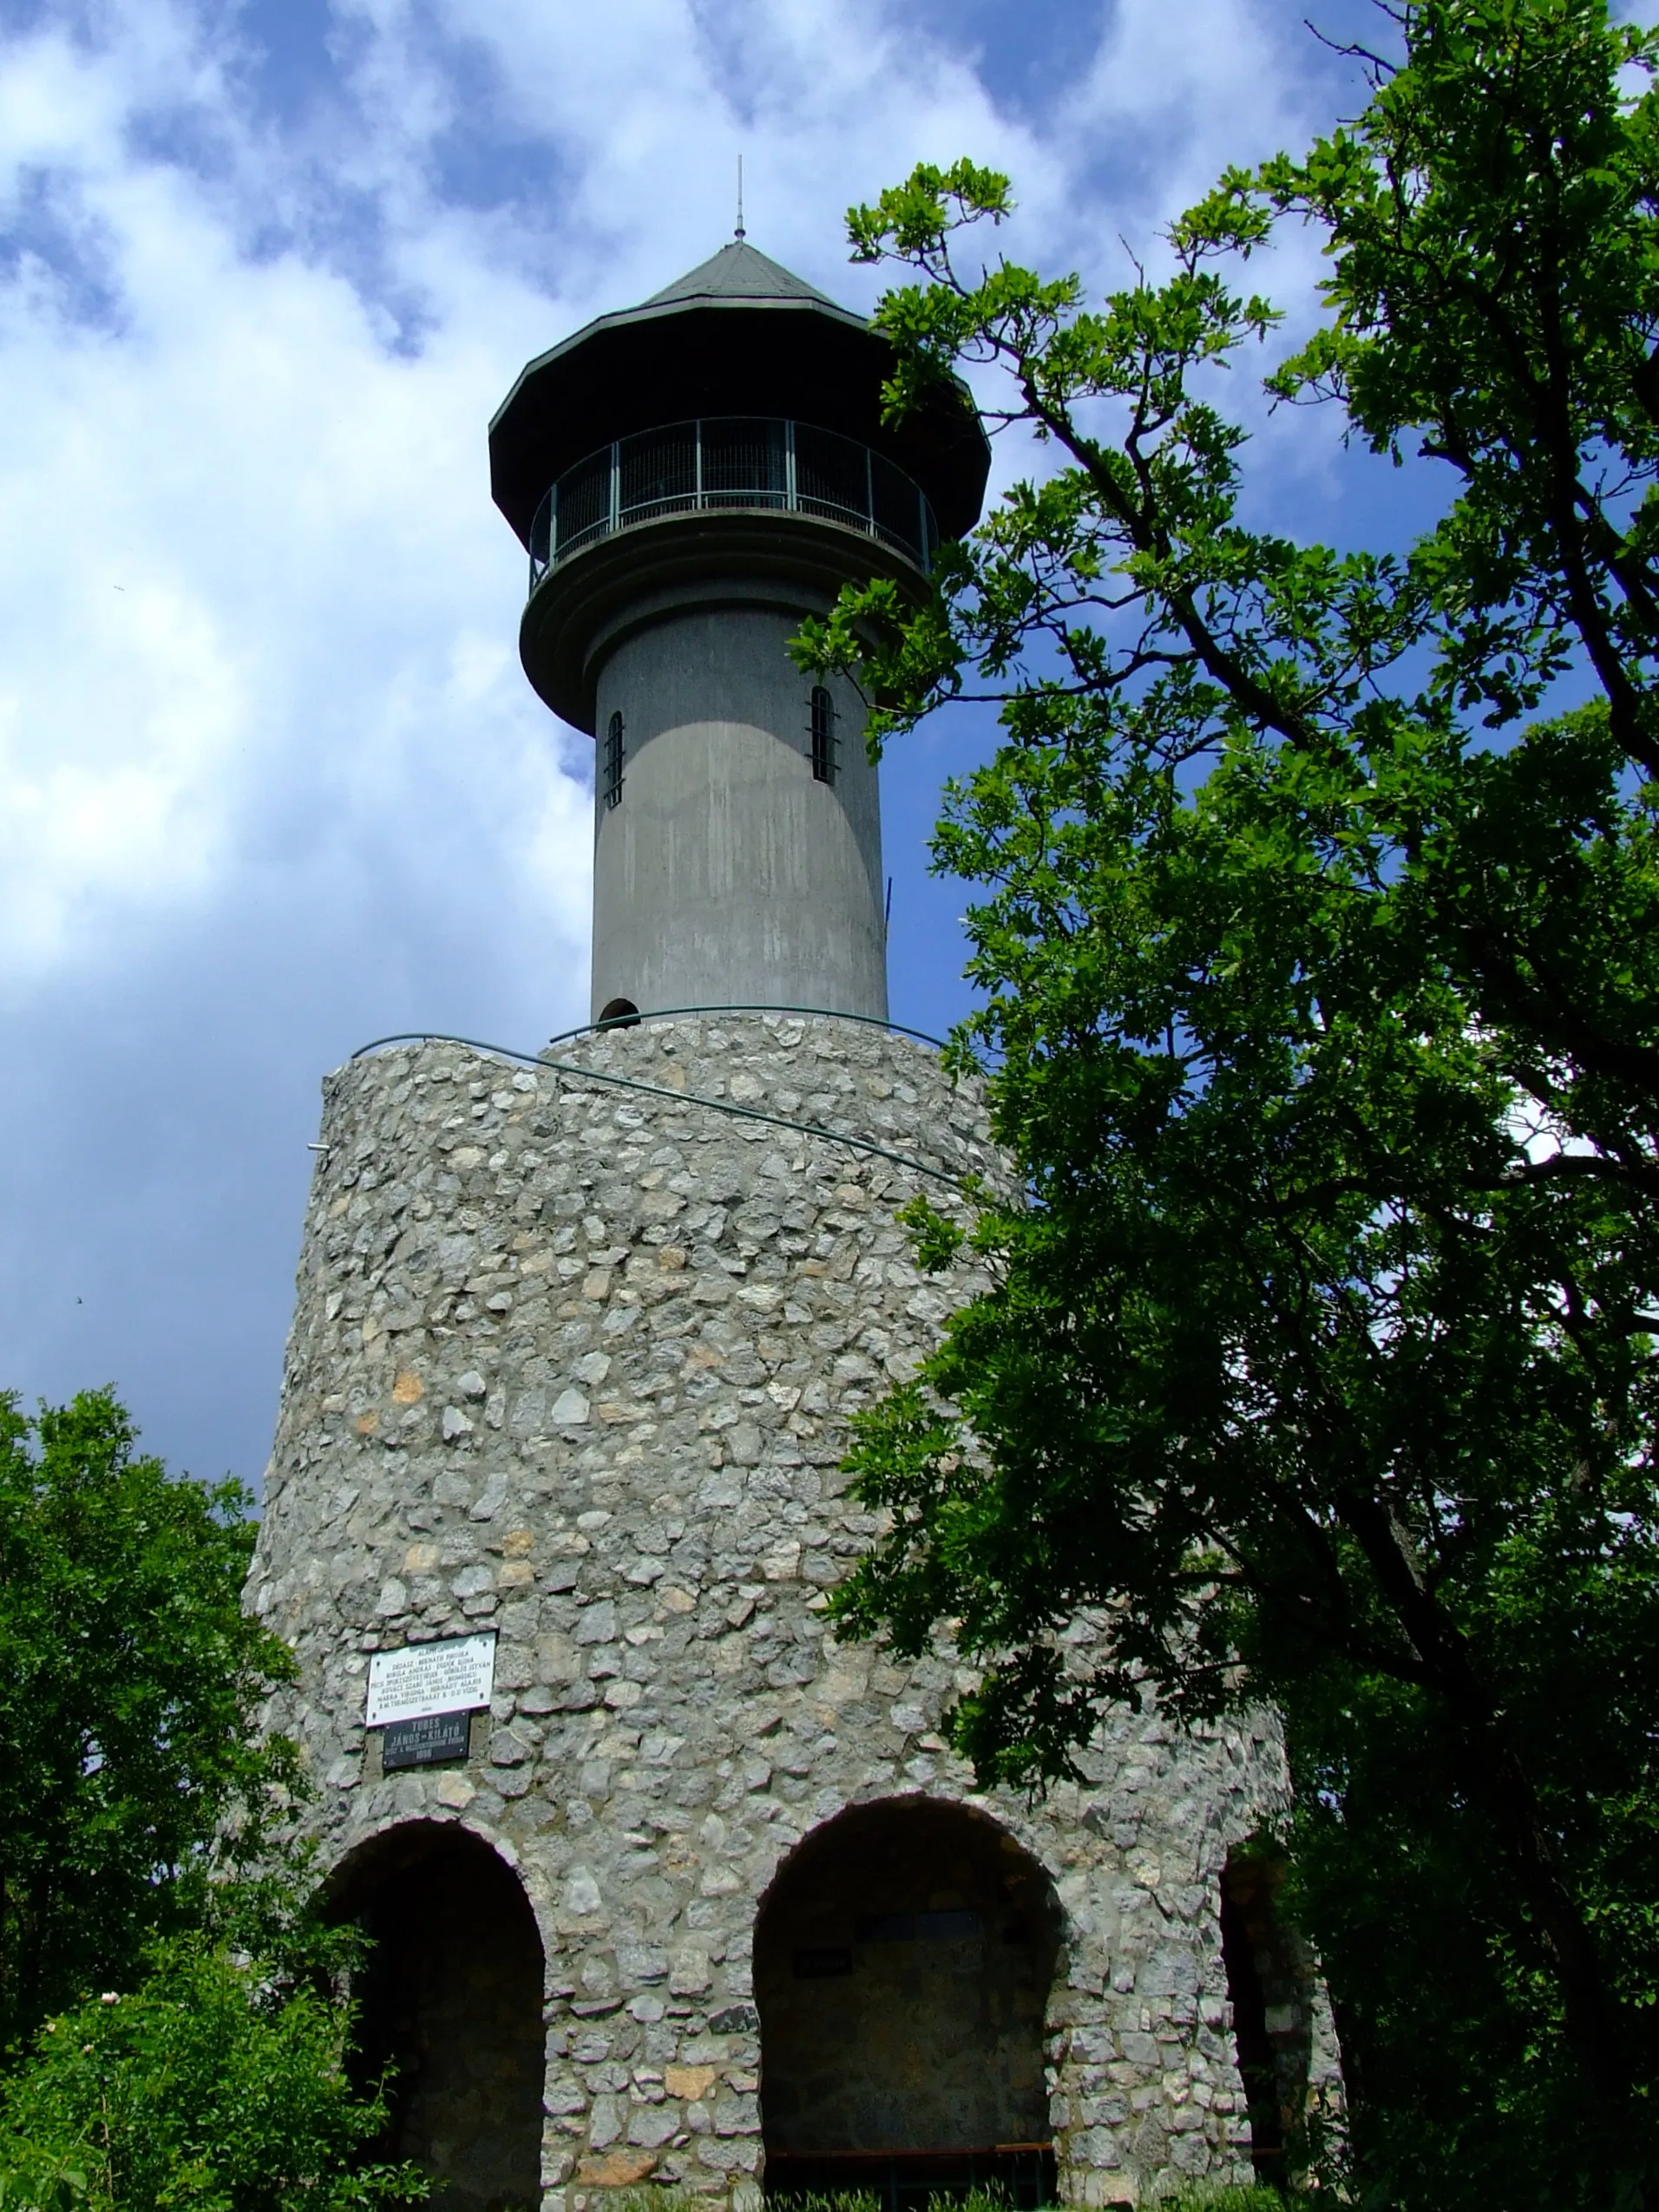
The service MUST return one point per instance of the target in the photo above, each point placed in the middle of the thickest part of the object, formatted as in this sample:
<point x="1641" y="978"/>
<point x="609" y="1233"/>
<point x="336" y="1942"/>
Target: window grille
<point x="823" y="734"/>
<point x="611" y="782"/>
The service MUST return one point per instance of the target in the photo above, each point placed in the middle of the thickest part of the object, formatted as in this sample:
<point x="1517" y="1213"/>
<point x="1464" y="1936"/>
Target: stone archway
<point x="450" y="1997"/>
<point x="1270" y="1987"/>
<point x="904" y="1955"/>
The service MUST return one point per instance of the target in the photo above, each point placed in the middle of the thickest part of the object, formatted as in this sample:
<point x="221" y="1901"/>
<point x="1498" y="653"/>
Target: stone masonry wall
<point x="575" y="1361"/>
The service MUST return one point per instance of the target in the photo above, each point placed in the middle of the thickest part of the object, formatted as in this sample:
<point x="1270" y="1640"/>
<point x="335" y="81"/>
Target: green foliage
<point x="217" y="2083"/>
<point x="855" y="2200"/>
<point x="653" y="2197"/>
<point x="972" y="2200"/>
<point x="196" y="2052"/>
<point x="1495" y="292"/>
<point x="1318" y="1360"/>
<point x="1228" y="2200"/>
<point x="42" y="2183"/>
<point x="130" y="1678"/>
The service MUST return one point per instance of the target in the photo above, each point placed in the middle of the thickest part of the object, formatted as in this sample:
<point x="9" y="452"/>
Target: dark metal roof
<point x="738" y="271"/>
<point x="739" y="335"/>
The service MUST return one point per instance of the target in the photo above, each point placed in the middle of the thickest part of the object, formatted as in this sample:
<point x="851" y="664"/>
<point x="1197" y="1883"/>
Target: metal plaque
<point x="455" y="1676"/>
<point x="427" y="1741"/>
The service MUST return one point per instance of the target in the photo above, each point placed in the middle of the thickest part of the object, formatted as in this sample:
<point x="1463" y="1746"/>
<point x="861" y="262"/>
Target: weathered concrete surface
<point x="576" y="1362"/>
<point x="728" y="875"/>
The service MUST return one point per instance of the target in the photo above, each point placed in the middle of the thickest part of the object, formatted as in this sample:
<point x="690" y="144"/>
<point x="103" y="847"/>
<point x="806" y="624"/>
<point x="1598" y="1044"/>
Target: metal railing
<point x="730" y="461"/>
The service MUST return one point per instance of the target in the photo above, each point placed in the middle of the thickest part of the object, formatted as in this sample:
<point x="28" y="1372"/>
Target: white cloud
<point x="240" y="525"/>
<point x="271" y="779"/>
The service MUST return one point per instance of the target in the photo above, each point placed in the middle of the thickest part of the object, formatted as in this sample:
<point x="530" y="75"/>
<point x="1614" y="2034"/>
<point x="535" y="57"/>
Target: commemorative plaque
<point x="423" y="1680"/>
<point x="432" y="1740"/>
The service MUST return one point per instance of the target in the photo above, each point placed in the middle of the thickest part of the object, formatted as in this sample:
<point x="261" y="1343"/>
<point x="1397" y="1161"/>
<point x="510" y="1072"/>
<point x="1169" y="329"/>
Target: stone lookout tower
<point x="665" y="1885"/>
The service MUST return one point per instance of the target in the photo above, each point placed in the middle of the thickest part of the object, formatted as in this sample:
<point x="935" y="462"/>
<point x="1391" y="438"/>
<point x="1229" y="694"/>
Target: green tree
<point x="218" y="2082"/>
<point x="1323" y="991"/>
<point x="130" y="1774"/>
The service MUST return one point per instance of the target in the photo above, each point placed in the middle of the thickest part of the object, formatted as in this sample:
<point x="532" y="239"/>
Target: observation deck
<point x="722" y="450"/>
<point x="712" y="513"/>
<point x="730" y="464"/>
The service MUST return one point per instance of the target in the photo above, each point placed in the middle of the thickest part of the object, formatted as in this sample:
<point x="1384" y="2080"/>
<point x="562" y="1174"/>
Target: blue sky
<point x="271" y="780"/>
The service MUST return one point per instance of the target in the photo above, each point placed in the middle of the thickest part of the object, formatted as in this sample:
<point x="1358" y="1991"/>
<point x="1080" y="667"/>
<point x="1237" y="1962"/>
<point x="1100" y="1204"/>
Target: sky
<point x="272" y="782"/>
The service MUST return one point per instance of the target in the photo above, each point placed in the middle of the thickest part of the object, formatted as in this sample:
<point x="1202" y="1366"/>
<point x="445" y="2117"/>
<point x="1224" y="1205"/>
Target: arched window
<point x="823" y="734"/>
<point x="611" y="771"/>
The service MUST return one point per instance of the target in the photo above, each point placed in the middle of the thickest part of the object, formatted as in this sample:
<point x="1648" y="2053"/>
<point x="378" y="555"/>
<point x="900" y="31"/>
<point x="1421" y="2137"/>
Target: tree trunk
<point x="1500" y="1780"/>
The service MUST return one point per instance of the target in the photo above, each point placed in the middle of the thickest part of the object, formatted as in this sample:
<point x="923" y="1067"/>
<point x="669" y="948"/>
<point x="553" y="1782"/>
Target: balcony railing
<point x="730" y="461"/>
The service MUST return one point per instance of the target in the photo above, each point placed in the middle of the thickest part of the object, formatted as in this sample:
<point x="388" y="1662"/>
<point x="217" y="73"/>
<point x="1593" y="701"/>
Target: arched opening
<point x="618" y="1013"/>
<point x="450" y="1997"/>
<point x="902" y="1961"/>
<point x="1269" y="1983"/>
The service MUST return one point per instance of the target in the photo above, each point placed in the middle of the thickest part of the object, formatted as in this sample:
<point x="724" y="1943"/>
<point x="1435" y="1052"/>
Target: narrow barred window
<point x="823" y="734"/>
<point x="611" y="779"/>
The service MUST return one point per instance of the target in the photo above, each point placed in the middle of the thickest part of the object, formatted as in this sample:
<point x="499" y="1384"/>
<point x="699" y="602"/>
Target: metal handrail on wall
<point x="730" y="461"/>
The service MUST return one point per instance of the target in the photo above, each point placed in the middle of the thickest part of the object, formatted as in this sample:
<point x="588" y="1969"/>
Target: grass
<point x="1251" y="2198"/>
<point x="654" y="2198"/>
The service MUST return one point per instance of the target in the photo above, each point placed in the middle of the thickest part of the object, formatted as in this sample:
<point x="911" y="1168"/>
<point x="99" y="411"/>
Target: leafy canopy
<point x="129" y="1683"/>
<point x="1315" y="1361"/>
<point x="220" y="2083"/>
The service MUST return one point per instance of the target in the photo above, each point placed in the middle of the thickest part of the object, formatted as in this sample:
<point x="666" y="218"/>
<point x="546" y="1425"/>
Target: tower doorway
<point x="902" y="1962"/>
<point x="450" y="1997"/>
<point x="1269" y="1985"/>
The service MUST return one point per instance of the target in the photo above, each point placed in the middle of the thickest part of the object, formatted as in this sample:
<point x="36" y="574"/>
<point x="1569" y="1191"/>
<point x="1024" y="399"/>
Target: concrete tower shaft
<point x="730" y="874"/>
<point x="692" y="479"/>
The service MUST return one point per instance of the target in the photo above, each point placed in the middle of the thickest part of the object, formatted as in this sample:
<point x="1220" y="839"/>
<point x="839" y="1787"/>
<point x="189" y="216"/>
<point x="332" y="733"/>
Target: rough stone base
<point x="575" y="1361"/>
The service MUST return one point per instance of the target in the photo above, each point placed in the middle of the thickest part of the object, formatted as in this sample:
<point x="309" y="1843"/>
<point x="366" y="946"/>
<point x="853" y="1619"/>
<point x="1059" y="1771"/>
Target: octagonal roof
<point x="738" y="334"/>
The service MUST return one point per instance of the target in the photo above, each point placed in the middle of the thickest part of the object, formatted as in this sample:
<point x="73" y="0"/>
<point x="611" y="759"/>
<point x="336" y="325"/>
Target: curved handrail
<point x="731" y="462"/>
<point x="605" y="1076"/>
<point x="657" y="1014"/>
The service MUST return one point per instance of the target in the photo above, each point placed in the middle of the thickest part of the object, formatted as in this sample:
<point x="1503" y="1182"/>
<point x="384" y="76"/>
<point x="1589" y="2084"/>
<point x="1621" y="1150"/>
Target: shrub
<point x="217" y="2084"/>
